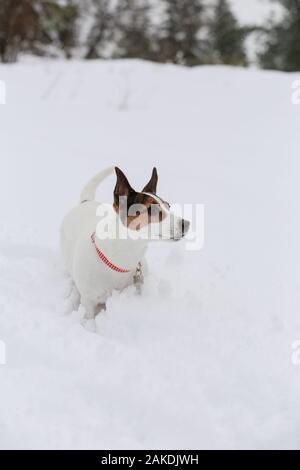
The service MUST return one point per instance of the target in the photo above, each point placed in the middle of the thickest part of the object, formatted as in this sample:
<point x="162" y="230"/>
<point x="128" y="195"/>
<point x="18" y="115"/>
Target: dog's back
<point x="81" y="221"/>
<point x="78" y="224"/>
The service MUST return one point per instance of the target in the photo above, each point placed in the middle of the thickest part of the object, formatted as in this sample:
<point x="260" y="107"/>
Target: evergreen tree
<point x="132" y="29"/>
<point x="282" y="46"/>
<point x="180" y="41"/>
<point x="58" y="25"/>
<point x="226" y="37"/>
<point x="32" y="25"/>
<point x="18" y="27"/>
<point x="102" y="29"/>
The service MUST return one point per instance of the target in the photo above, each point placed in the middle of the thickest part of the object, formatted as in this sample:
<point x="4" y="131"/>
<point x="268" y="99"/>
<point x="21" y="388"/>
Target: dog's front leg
<point x="73" y="301"/>
<point x="75" y="298"/>
<point x="90" y="309"/>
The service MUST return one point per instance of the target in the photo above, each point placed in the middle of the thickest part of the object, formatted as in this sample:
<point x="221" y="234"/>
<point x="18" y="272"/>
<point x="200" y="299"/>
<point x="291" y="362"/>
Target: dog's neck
<point x="119" y="244"/>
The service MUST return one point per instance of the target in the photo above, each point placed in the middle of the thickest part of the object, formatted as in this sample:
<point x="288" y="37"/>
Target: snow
<point x="203" y="358"/>
<point x="255" y="11"/>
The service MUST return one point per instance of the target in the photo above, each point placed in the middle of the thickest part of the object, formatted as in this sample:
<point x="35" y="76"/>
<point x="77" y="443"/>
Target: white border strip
<point x="2" y="353"/>
<point x="2" y="92"/>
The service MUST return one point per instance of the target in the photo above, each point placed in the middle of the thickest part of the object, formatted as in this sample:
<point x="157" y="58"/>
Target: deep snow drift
<point x="203" y="358"/>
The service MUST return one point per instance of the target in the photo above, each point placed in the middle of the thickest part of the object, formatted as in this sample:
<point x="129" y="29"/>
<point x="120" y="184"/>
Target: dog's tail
<point x="89" y="192"/>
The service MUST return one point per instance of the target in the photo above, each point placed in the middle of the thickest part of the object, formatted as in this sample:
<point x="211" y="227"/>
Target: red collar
<point x="105" y="260"/>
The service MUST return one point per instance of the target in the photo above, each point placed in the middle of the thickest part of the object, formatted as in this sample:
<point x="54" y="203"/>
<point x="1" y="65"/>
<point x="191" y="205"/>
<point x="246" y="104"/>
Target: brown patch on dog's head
<point x="135" y="209"/>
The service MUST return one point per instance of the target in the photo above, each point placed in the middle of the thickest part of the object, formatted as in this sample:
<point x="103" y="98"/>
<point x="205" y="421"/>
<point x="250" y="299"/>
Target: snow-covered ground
<point x="204" y="358"/>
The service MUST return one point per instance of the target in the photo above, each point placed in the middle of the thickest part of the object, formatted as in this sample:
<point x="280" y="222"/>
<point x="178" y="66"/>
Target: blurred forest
<point x="188" y="32"/>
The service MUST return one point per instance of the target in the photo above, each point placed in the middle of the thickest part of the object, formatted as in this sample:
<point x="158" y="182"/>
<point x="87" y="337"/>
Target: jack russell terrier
<point x="104" y="245"/>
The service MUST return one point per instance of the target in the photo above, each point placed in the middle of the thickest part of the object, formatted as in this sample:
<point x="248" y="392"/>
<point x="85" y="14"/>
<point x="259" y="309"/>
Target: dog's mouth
<point x="172" y="239"/>
<point x="177" y="239"/>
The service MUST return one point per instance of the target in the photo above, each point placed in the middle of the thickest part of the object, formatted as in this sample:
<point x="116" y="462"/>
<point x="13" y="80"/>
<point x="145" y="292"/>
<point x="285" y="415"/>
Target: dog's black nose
<point x="185" y="226"/>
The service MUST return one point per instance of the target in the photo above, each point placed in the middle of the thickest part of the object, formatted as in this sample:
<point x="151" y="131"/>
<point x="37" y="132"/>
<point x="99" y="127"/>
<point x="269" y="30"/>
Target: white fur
<point x="89" y="191"/>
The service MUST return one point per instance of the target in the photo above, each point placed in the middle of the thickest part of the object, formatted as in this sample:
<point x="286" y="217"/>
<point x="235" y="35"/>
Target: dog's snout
<point x="185" y="226"/>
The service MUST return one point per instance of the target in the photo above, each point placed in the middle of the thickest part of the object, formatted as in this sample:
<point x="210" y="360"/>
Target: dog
<point x="104" y="246"/>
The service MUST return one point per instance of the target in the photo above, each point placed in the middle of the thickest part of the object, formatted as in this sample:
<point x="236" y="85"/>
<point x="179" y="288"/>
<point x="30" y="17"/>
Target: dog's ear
<point x="123" y="187"/>
<point x="152" y="185"/>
